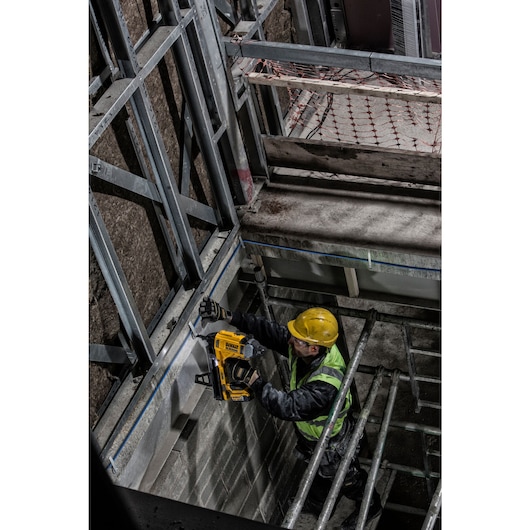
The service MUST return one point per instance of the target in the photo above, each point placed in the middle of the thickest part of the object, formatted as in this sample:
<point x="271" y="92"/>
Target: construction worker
<point x="317" y="369"/>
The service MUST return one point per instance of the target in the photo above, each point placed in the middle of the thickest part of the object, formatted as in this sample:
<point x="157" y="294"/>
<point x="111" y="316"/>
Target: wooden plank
<point x="350" y="159"/>
<point x="337" y="87"/>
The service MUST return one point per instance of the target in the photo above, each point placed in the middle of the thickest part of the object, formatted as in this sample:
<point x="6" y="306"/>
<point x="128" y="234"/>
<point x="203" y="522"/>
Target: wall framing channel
<point x="126" y="85"/>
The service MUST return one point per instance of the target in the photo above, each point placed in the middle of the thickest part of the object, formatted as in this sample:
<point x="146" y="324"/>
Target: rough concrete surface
<point x="350" y="218"/>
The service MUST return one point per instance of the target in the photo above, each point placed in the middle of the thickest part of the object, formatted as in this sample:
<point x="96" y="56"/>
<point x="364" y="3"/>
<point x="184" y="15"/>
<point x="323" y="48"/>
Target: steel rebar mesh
<point x="402" y="116"/>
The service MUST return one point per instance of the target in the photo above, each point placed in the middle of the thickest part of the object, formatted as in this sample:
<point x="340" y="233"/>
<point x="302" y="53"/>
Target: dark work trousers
<point x="355" y="478"/>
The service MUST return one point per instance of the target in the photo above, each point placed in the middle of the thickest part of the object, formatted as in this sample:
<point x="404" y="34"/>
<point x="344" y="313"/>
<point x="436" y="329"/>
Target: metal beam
<point x="202" y="121"/>
<point x="329" y="181"/>
<point x="176" y="259"/>
<point x="302" y="22"/>
<point x="316" y="10"/>
<point x="103" y="353"/>
<point x="122" y="178"/>
<point x="411" y="364"/>
<point x="334" y="289"/>
<point x="352" y="59"/>
<point x="156" y="47"/>
<point x="166" y="181"/>
<point x="113" y="100"/>
<point x="251" y="27"/>
<point x="140" y="102"/>
<point x="361" y="313"/>
<point x="346" y="229"/>
<point x="117" y="283"/>
<point x="108" y="106"/>
<point x="110" y="68"/>
<point x="226" y="11"/>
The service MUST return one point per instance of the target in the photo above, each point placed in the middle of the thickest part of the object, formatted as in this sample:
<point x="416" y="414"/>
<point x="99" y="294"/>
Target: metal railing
<point x="312" y="468"/>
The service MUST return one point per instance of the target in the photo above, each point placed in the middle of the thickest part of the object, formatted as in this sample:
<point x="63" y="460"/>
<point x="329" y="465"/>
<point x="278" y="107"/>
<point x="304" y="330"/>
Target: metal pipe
<point x="405" y="425"/>
<point x="378" y="453"/>
<point x="259" y="278"/>
<point x="365" y="369"/>
<point x="426" y="464"/>
<point x="361" y="313"/>
<point x="434" y="508"/>
<point x="411" y="363"/>
<point x="312" y="468"/>
<point x="350" y="452"/>
<point x="261" y="283"/>
<point x="388" y="487"/>
<point x="414" y="471"/>
<point x="402" y="508"/>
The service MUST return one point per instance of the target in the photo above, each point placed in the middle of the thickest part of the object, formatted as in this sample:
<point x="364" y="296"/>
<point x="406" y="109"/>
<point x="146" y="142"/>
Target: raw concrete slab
<point x="310" y="218"/>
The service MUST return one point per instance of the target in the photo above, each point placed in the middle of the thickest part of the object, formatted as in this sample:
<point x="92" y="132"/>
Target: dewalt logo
<point x="232" y="347"/>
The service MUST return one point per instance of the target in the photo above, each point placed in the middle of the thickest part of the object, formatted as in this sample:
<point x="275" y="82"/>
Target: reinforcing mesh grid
<point x="359" y="107"/>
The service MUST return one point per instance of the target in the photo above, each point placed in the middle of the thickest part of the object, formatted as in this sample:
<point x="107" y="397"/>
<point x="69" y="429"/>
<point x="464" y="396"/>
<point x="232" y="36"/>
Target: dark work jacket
<point x="308" y="402"/>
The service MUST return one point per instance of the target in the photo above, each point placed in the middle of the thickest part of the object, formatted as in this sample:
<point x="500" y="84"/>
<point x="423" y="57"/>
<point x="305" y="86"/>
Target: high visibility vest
<point x="331" y="370"/>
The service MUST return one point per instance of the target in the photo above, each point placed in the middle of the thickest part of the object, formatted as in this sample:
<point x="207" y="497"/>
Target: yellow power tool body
<point x="225" y="349"/>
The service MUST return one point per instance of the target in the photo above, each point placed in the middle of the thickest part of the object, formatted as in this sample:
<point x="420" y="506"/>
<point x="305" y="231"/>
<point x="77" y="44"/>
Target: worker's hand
<point x="253" y="349"/>
<point x="242" y="372"/>
<point x="211" y="310"/>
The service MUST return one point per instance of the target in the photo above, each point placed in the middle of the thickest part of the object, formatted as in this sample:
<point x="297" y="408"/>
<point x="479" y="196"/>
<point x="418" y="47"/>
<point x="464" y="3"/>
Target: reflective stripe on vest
<point x="331" y="370"/>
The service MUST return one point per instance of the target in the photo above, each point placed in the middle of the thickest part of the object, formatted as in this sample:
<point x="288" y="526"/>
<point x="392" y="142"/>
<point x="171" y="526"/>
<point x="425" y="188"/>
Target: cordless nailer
<point x="228" y="353"/>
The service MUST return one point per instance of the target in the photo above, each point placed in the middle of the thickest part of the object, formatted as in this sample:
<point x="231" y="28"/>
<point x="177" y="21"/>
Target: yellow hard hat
<point x="315" y="326"/>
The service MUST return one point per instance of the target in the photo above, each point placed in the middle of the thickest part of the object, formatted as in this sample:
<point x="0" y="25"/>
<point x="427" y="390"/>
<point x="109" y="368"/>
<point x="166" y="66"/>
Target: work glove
<point x="253" y="348"/>
<point x="240" y="371"/>
<point x="211" y="310"/>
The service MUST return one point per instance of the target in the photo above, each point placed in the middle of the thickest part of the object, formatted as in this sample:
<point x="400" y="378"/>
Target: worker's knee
<point x="354" y="483"/>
